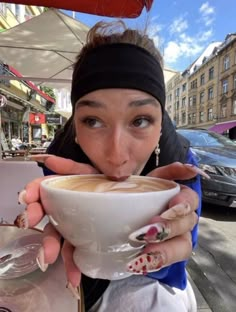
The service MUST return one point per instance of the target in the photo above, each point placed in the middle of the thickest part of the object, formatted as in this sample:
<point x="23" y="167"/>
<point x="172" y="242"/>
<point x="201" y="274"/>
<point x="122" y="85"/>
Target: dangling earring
<point x="157" y="152"/>
<point x="76" y="140"/>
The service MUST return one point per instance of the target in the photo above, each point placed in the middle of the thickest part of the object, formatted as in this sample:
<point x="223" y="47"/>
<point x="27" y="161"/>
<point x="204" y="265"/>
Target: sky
<point x="182" y="29"/>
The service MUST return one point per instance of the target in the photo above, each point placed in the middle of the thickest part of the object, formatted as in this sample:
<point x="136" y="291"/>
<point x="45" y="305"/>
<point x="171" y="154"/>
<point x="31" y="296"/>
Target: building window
<point x="234" y="107"/>
<point x="223" y="111"/>
<point x="177" y="92"/>
<point x="177" y="105"/>
<point x="202" y="79"/>
<point x="183" y="118"/>
<point x="211" y="73"/>
<point x="209" y="114"/>
<point x="193" y="84"/>
<point x="194" y="118"/>
<point x="184" y="87"/>
<point x="224" y="86"/>
<point x="194" y="100"/>
<point x="184" y="102"/>
<point x="190" y="101"/>
<point x="226" y="62"/>
<point x="190" y="119"/>
<point x="169" y="98"/>
<point x="234" y="83"/>
<point x="201" y="99"/>
<point x="210" y="93"/>
<point x="201" y="116"/>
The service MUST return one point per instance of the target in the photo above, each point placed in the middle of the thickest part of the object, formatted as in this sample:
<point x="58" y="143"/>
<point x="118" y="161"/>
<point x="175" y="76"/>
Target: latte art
<point x="100" y="184"/>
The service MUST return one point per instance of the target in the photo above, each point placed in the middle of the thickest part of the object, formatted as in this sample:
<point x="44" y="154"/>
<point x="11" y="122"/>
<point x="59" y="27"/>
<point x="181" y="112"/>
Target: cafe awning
<point x="115" y="8"/>
<point x="44" y="48"/>
<point x="222" y="127"/>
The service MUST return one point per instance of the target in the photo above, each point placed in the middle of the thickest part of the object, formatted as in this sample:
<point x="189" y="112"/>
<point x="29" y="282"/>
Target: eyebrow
<point x="135" y="103"/>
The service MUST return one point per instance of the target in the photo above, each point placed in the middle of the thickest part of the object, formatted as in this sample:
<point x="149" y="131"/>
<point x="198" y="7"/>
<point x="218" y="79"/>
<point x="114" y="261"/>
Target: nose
<point x="117" y="149"/>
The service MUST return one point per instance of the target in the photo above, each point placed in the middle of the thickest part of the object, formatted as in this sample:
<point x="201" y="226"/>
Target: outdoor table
<point x="37" y="291"/>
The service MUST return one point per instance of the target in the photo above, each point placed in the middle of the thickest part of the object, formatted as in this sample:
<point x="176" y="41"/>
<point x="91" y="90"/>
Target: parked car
<point x="216" y="155"/>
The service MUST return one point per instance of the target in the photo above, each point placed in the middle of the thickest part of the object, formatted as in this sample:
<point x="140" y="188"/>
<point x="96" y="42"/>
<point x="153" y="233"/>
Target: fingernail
<point x="39" y="157"/>
<point x="197" y="170"/>
<point x="21" y="197"/>
<point x="146" y="263"/>
<point x="151" y="233"/>
<point x="176" y="211"/>
<point x="22" y="221"/>
<point x="40" y="260"/>
<point x="74" y="290"/>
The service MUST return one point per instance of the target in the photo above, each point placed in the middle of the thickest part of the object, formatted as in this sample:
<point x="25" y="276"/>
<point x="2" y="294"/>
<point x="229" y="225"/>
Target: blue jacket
<point x="175" y="274"/>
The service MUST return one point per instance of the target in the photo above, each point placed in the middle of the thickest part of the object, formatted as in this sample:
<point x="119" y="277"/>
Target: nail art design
<point x="74" y="290"/>
<point x="151" y="233"/>
<point x="40" y="260"/>
<point x="177" y="211"/>
<point x="197" y="170"/>
<point x="22" y="221"/>
<point x="21" y="197"/>
<point x="146" y="263"/>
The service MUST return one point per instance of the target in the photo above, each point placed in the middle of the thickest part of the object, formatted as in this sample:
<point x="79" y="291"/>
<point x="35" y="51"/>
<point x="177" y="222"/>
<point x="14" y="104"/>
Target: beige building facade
<point x="204" y="95"/>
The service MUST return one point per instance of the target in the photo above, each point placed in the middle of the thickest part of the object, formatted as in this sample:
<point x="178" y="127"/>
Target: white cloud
<point x="206" y="9"/>
<point x="154" y="30"/>
<point x="179" y="25"/>
<point x="207" y="13"/>
<point x="187" y="48"/>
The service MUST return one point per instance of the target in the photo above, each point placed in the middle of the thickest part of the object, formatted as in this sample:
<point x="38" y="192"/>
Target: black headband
<point x="118" y="65"/>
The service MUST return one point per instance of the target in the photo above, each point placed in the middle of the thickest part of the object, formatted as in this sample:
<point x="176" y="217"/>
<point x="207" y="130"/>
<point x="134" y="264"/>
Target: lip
<point x="118" y="179"/>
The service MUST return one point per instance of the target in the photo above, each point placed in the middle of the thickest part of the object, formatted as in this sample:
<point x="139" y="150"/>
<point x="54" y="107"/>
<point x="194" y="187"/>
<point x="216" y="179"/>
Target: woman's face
<point x="118" y="129"/>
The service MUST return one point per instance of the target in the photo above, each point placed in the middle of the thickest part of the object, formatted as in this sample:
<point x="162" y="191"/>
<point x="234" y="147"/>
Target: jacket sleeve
<point x="175" y="274"/>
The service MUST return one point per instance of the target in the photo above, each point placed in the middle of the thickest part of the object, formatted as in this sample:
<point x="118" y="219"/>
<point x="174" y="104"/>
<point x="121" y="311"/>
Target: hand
<point x="34" y="213"/>
<point x="168" y="236"/>
<point x="51" y="243"/>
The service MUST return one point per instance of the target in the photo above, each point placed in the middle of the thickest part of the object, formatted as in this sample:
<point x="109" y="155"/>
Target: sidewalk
<point x="202" y="305"/>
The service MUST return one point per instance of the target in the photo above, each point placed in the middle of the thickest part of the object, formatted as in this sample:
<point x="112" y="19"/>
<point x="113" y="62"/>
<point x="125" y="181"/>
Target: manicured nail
<point x="21" y="197"/>
<point x="74" y="290"/>
<point x="40" y="260"/>
<point x="197" y="170"/>
<point x="146" y="263"/>
<point x="177" y="211"/>
<point x="39" y="157"/>
<point x="151" y="233"/>
<point x="22" y="221"/>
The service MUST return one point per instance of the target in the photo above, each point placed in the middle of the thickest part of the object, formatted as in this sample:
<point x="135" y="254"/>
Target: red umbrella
<point x="115" y="8"/>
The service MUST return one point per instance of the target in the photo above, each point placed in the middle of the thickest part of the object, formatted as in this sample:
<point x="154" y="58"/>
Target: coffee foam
<point x="100" y="184"/>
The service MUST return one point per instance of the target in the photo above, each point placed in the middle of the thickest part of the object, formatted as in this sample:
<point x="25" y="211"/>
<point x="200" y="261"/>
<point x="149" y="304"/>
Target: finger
<point x="50" y="249"/>
<point x="63" y="166"/>
<point x="30" y="217"/>
<point x="72" y="271"/>
<point x="163" y="230"/>
<point x="177" y="171"/>
<point x="158" y="256"/>
<point x="185" y="202"/>
<point x="31" y="193"/>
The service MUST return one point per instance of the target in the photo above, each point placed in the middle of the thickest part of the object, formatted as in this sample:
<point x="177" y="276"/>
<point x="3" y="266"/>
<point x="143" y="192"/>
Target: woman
<point x="119" y="127"/>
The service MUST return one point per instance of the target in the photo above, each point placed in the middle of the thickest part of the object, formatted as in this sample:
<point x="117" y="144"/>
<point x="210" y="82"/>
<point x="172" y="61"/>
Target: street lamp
<point x="3" y="102"/>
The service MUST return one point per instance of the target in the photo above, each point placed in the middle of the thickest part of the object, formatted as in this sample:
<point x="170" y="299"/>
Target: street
<point x="213" y="265"/>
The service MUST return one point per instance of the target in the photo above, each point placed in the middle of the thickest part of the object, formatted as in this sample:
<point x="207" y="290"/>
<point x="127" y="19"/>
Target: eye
<point x="92" y="122"/>
<point x="142" y="122"/>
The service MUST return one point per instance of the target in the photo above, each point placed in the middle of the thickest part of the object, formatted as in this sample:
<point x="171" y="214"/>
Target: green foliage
<point x="49" y="91"/>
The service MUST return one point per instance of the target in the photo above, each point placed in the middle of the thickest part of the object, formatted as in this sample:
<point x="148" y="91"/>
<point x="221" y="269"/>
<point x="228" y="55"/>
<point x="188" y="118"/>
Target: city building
<point x="204" y="95"/>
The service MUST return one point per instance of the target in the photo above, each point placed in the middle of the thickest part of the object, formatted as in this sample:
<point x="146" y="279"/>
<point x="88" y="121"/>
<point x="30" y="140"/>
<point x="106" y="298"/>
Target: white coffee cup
<point x="97" y="216"/>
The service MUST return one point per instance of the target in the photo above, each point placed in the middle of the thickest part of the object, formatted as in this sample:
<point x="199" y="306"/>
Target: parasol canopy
<point x="115" y="8"/>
